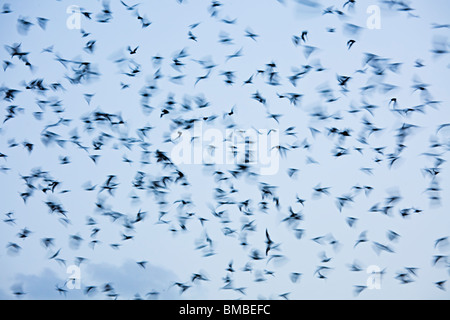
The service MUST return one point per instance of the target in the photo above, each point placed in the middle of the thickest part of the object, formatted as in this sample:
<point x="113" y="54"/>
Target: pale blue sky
<point x="172" y="256"/>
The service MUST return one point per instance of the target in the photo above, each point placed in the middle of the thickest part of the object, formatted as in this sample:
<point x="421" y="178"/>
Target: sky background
<point x="172" y="256"/>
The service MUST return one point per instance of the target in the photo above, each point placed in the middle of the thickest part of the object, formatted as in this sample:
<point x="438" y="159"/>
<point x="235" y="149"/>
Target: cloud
<point x="4" y="295"/>
<point x="130" y="279"/>
<point x="43" y="287"/>
<point x="127" y="280"/>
